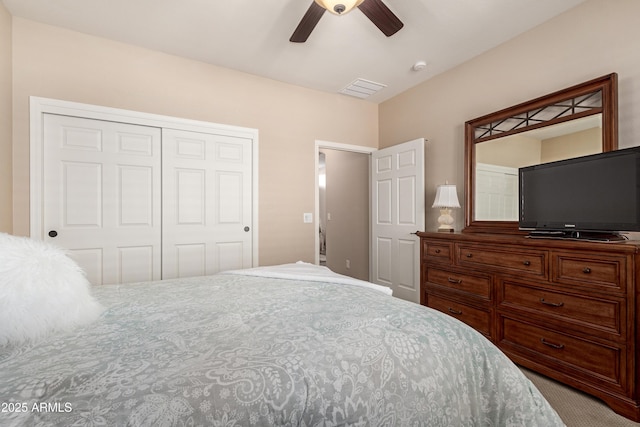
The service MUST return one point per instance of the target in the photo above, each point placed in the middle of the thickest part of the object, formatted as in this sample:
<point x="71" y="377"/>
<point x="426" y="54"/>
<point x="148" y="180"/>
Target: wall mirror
<point x="573" y="122"/>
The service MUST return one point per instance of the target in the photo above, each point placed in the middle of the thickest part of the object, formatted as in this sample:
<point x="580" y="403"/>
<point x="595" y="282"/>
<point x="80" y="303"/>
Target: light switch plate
<point x="307" y="217"/>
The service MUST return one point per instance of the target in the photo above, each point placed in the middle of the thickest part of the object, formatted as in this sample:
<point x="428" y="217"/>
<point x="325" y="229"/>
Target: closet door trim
<point x="39" y="106"/>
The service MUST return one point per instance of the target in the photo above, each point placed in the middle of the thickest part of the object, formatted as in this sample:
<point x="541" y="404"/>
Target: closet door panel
<point x="229" y="255"/>
<point x="229" y="189"/>
<point x="81" y="198"/>
<point x="101" y="196"/>
<point x="135" y="195"/>
<point x="136" y="264"/>
<point x="190" y="201"/>
<point x="206" y="203"/>
<point x="190" y="260"/>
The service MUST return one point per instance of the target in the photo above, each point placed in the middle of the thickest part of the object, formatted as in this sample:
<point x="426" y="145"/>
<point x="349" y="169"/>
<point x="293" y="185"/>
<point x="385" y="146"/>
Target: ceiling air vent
<point x="361" y="88"/>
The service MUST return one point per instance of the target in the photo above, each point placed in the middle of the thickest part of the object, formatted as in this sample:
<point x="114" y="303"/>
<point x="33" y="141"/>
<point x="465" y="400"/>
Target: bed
<point x="291" y="345"/>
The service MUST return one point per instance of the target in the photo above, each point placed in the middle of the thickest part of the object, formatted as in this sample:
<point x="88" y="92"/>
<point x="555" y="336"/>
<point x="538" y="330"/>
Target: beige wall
<point x="520" y="150"/>
<point x="594" y="39"/>
<point x="513" y="151"/>
<point x="56" y="63"/>
<point x="582" y="143"/>
<point x="5" y="121"/>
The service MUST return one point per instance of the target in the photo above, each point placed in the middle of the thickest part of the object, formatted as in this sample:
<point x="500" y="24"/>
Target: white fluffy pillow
<point x="41" y="291"/>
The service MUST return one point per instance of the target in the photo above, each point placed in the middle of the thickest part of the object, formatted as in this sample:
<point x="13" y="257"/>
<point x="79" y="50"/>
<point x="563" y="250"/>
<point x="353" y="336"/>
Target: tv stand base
<point x="578" y="235"/>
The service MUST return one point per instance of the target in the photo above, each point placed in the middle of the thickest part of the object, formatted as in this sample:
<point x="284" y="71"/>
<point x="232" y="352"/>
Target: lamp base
<point x="445" y="220"/>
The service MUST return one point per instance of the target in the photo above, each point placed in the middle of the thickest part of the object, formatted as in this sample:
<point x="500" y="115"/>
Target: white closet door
<point x="496" y="193"/>
<point x="397" y="211"/>
<point x="101" y="191"/>
<point x="207" y="203"/>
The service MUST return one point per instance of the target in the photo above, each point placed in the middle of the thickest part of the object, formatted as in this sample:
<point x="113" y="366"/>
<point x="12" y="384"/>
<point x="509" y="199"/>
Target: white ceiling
<point x="253" y="35"/>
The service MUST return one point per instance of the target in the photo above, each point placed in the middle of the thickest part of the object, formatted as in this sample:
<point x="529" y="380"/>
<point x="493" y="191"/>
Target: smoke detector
<point x="419" y="66"/>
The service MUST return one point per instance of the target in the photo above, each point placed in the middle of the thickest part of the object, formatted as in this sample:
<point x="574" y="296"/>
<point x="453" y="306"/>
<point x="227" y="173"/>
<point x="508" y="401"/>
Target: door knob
<point x="247" y="229"/>
<point x="53" y="233"/>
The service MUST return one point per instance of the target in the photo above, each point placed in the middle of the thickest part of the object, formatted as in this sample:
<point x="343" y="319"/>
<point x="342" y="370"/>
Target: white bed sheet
<point x="308" y="272"/>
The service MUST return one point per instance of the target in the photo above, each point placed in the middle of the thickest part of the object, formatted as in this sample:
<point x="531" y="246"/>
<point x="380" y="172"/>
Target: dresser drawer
<point x="598" y="272"/>
<point x="478" y="319"/>
<point x="478" y="285"/>
<point x="603" y="316"/>
<point x="437" y="251"/>
<point x="599" y="362"/>
<point x="503" y="258"/>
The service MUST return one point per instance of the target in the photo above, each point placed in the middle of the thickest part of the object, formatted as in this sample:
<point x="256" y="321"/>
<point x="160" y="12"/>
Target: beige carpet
<point x="576" y="409"/>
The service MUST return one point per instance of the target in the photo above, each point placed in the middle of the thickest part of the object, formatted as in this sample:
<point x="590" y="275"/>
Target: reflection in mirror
<point x="572" y="122"/>
<point x="498" y="160"/>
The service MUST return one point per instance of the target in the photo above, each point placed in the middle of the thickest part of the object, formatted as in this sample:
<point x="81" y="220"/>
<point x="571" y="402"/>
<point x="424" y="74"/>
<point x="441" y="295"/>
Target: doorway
<point x="322" y="216"/>
<point x="396" y="187"/>
<point x="343" y="208"/>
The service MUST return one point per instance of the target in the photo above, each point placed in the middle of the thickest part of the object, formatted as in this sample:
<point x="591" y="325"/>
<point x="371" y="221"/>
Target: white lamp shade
<point x="446" y="197"/>
<point x="330" y="5"/>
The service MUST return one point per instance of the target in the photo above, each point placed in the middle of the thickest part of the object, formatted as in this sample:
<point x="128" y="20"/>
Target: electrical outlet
<point x="307" y="218"/>
<point x="348" y="263"/>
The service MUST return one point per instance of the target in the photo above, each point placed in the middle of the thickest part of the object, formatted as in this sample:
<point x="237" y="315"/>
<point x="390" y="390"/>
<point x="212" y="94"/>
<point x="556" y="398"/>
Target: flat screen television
<point x="592" y="197"/>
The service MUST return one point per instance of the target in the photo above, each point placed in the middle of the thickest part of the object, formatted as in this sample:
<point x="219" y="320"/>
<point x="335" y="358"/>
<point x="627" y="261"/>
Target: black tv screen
<point x="596" y="193"/>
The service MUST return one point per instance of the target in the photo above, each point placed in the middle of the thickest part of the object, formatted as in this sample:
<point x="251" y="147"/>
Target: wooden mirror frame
<point x="608" y="85"/>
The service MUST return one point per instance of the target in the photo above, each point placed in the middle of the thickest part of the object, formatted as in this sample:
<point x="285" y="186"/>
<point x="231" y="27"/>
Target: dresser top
<point x="628" y="246"/>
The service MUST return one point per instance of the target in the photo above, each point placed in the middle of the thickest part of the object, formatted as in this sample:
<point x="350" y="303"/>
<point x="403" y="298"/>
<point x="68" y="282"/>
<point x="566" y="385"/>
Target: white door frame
<point x="39" y="106"/>
<point x="319" y="144"/>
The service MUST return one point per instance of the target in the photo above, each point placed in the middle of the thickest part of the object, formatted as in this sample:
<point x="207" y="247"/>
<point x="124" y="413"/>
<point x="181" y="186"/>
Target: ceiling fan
<point x="375" y="10"/>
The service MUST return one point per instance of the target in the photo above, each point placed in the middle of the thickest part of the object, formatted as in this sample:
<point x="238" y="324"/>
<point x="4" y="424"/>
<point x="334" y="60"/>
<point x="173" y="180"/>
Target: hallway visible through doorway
<point x="343" y="217"/>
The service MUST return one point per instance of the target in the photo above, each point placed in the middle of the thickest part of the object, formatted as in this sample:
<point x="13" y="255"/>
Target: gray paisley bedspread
<point x="234" y="350"/>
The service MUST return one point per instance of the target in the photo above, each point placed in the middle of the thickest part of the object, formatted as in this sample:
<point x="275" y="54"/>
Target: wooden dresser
<point x="566" y="309"/>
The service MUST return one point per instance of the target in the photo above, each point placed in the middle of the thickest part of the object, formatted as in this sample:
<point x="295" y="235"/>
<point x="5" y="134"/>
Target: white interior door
<point x="101" y="196"/>
<point x="207" y="188"/>
<point x="496" y="193"/>
<point x="397" y="211"/>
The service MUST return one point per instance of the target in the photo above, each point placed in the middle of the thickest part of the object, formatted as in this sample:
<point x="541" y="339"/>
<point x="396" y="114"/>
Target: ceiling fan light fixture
<point x="339" y="7"/>
<point x="375" y="10"/>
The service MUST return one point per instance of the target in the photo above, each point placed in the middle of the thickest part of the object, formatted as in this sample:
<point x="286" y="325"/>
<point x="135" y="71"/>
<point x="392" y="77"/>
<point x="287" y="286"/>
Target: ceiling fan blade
<point x="381" y="16"/>
<point x="307" y="23"/>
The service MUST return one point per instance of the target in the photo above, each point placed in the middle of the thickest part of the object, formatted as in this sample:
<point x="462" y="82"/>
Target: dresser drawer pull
<point x="469" y="255"/>
<point x="452" y="311"/>
<point x="455" y="281"/>
<point x="586" y="270"/>
<point x="527" y="263"/>
<point x="552" y="304"/>
<point x="552" y="345"/>
<point x="437" y="251"/>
